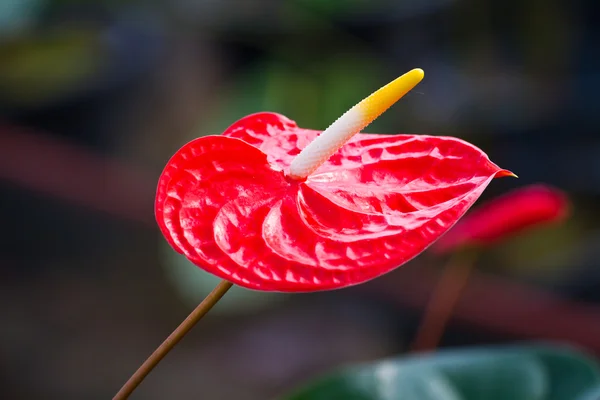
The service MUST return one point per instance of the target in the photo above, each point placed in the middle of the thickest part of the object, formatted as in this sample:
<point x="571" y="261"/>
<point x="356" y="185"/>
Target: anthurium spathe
<point x="517" y="211"/>
<point x="272" y="206"/>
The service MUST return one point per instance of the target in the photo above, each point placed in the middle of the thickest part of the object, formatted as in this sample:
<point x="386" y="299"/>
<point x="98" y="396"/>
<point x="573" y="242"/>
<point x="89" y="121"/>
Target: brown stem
<point x="448" y="290"/>
<point x="174" y="338"/>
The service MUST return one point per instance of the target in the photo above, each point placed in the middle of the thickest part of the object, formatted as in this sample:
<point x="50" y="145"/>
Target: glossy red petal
<point x="506" y="216"/>
<point x="375" y="204"/>
<point x="275" y="135"/>
<point x="394" y="175"/>
<point x="281" y="139"/>
<point x="350" y="262"/>
<point x="201" y="177"/>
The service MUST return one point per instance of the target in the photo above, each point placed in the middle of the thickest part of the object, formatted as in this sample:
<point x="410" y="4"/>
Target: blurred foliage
<point x="543" y="252"/>
<point x="313" y="93"/>
<point x="37" y="69"/>
<point x="380" y="9"/>
<point x="17" y="16"/>
<point x="593" y="394"/>
<point x="493" y="373"/>
<point x="336" y="6"/>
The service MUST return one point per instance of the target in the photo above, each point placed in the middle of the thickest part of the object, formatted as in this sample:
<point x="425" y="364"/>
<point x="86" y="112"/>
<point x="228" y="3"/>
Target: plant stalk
<point x="174" y="338"/>
<point x="452" y="281"/>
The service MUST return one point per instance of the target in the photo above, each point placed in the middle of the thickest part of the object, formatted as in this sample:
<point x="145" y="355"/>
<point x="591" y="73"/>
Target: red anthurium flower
<point x="245" y="207"/>
<point x="505" y="216"/>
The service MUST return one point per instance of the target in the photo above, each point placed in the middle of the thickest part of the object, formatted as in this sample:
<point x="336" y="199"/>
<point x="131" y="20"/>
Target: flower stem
<point x="452" y="281"/>
<point x="174" y="338"/>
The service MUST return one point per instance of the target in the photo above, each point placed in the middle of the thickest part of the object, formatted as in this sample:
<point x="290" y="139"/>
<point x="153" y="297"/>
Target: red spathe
<point x="226" y="204"/>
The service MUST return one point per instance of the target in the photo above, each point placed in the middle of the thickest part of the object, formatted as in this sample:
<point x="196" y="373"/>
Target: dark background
<point x="95" y="96"/>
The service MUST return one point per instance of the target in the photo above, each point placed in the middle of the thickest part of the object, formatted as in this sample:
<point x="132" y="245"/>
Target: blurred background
<point x="95" y="96"/>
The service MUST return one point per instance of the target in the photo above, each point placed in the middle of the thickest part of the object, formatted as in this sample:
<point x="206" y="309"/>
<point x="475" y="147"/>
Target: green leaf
<point x="493" y="373"/>
<point x="592" y="394"/>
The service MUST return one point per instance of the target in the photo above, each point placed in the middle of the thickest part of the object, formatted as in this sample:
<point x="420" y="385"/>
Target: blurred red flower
<point x="506" y="216"/>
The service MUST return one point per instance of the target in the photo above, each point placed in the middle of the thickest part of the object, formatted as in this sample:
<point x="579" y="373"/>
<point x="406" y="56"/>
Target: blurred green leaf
<point x="493" y="373"/>
<point x="592" y="394"/>
<point x="544" y="253"/>
<point x="36" y="69"/>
